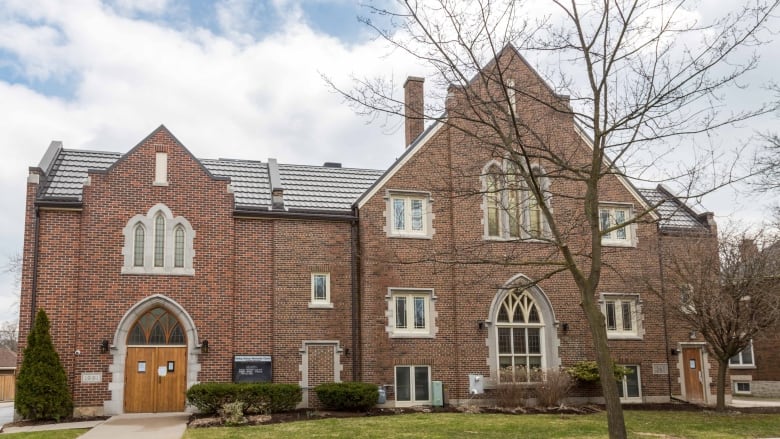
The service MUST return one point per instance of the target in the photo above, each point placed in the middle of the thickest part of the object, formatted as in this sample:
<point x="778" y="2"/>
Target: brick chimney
<point x="413" y="108"/>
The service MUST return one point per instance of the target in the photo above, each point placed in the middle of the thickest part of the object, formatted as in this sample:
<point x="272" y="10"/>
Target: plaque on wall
<point x="252" y="368"/>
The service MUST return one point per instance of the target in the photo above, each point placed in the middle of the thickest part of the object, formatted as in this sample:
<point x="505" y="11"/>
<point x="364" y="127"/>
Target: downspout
<point x="663" y="311"/>
<point x="34" y="292"/>
<point x="355" y="280"/>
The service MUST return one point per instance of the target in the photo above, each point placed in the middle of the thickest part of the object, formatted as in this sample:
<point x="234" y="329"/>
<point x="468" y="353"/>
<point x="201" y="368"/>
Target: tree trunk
<point x="721" y="385"/>
<point x="615" y="421"/>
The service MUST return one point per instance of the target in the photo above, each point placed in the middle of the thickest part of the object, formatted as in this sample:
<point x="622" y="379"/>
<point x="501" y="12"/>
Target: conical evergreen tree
<point x="42" y="385"/>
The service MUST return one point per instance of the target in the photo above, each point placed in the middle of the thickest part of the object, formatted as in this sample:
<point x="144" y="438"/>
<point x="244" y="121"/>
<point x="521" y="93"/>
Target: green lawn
<point x="640" y="424"/>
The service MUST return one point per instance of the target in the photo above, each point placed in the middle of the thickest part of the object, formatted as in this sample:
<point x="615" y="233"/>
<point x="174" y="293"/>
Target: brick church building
<point x="159" y="270"/>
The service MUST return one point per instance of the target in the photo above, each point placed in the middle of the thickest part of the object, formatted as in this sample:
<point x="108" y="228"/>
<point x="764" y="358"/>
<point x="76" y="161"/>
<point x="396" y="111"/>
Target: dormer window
<point x="168" y="251"/>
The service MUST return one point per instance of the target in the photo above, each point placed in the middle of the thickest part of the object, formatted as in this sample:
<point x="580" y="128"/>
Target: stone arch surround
<point x="115" y="405"/>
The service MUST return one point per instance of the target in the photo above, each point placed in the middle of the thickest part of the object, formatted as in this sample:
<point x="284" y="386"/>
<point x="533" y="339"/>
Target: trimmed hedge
<point x="348" y="395"/>
<point x="256" y="397"/>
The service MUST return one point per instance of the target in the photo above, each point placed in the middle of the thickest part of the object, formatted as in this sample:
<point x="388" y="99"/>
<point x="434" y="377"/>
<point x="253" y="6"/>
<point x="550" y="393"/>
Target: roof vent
<point x="332" y="165"/>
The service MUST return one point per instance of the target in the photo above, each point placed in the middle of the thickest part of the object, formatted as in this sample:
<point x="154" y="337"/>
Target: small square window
<point x="742" y="387"/>
<point x="622" y="315"/>
<point x="408" y="215"/>
<point x="320" y="291"/>
<point x="610" y="216"/>
<point x="410" y="313"/>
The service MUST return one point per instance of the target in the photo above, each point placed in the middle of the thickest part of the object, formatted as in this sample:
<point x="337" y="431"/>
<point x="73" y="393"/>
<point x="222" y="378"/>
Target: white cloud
<point x="222" y="96"/>
<point x="223" y="93"/>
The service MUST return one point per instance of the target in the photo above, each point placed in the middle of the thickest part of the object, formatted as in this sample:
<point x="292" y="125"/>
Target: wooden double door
<point x="155" y="379"/>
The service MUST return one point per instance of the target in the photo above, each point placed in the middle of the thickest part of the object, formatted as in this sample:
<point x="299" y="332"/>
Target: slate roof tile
<point x="672" y="212"/>
<point x="305" y="187"/>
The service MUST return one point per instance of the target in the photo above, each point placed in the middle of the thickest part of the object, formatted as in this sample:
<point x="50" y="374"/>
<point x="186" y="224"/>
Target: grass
<point x="50" y="434"/>
<point x="640" y="424"/>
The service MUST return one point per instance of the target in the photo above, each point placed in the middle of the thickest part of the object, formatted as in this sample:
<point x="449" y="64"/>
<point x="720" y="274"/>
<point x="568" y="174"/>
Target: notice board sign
<point x="252" y="368"/>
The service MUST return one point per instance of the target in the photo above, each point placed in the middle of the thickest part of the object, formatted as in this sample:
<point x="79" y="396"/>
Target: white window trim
<point x="624" y="382"/>
<point x="320" y="303"/>
<point x="630" y="239"/>
<point x="637" y="332"/>
<point x="741" y="379"/>
<point x="503" y="217"/>
<point x="430" y="317"/>
<point x="427" y="220"/>
<point x="147" y="221"/>
<point x="741" y="365"/>
<point x="412" y="402"/>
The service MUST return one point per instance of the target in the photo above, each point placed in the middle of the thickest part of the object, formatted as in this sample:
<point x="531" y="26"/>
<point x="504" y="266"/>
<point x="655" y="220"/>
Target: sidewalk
<point x="754" y="402"/>
<point x="131" y="426"/>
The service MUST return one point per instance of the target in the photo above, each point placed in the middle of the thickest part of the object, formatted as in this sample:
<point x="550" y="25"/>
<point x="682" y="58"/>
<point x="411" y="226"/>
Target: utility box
<point x="476" y="384"/>
<point x="438" y="394"/>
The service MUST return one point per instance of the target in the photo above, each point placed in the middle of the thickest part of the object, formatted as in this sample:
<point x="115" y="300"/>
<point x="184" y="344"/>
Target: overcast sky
<point x="229" y="78"/>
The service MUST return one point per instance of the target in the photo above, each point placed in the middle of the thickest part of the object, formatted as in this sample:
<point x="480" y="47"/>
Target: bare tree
<point x="770" y="164"/>
<point x="9" y="335"/>
<point x="641" y="79"/>
<point x="729" y="296"/>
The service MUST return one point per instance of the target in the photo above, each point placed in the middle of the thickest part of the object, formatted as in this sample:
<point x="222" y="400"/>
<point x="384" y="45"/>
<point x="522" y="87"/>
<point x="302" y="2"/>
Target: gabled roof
<point x="68" y="172"/>
<point x="306" y="188"/>
<point x="7" y="358"/>
<point x="317" y="188"/>
<point x="673" y="213"/>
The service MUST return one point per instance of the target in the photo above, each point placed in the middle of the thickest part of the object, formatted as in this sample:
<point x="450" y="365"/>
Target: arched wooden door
<point x="156" y="364"/>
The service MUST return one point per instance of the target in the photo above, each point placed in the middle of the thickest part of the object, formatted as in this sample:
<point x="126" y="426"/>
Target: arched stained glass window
<point x="493" y="194"/>
<point x="520" y="331"/>
<point x="178" y="253"/>
<point x="156" y="327"/>
<point x="138" y="246"/>
<point x="159" y="241"/>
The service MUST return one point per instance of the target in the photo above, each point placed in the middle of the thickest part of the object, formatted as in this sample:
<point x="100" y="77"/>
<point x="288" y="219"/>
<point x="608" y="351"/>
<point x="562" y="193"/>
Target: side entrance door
<point x="692" y="372"/>
<point x="155" y="379"/>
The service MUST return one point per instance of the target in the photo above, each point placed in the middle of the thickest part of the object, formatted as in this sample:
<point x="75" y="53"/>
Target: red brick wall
<point x="448" y="166"/>
<point x="252" y="282"/>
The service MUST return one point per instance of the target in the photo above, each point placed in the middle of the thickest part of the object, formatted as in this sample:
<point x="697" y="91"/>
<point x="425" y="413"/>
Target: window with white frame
<point x="410" y="313"/>
<point x="520" y="332"/>
<point x="512" y="211"/>
<point x="320" y="291"/>
<point x="621" y="314"/>
<point x="744" y="358"/>
<point x="742" y="387"/>
<point x="408" y="215"/>
<point x="158" y="243"/>
<point x="629" y="386"/>
<point x="611" y="216"/>
<point x="412" y="385"/>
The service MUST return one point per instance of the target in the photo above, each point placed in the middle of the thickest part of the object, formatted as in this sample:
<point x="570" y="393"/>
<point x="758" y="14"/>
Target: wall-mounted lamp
<point x="481" y="324"/>
<point x="346" y="351"/>
<point x="565" y="327"/>
<point x="674" y="351"/>
<point x="104" y="347"/>
<point x="204" y="346"/>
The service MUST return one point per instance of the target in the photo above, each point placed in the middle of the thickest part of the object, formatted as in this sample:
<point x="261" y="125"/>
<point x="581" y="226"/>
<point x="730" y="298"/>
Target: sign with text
<point x="252" y="368"/>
